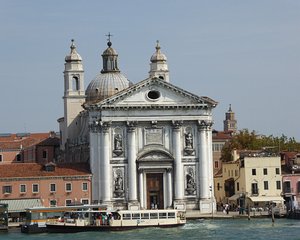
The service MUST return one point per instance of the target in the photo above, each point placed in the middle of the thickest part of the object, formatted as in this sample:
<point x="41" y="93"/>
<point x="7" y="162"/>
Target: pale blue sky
<point x="246" y="53"/>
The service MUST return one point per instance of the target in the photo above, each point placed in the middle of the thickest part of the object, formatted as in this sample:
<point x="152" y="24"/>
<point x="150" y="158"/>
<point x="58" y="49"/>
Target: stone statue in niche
<point x="119" y="187"/>
<point x="190" y="182"/>
<point x="118" y="142"/>
<point x="189" y="150"/>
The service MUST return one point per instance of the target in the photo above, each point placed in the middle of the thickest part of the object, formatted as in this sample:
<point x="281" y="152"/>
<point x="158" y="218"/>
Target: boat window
<point x="136" y="216"/>
<point x="171" y="215"/>
<point x="153" y="215"/>
<point x="145" y="215"/>
<point x="126" y="216"/>
<point x="163" y="215"/>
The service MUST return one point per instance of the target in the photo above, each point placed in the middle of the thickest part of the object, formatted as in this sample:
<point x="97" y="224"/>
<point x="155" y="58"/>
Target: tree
<point x="245" y="140"/>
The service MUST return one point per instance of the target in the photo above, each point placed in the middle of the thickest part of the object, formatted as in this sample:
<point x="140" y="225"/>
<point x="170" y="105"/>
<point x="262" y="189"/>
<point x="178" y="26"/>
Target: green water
<point x="208" y="229"/>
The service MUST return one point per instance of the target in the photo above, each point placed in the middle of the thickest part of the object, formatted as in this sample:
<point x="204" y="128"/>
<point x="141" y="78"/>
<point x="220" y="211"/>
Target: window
<point x="278" y="185"/>
<point x="266" y="185"/>
<point x="75" y="83"/>
<point x="254" y="189"/>
<point x="217" y="147"/>
<point x="216" y="164"/>
<point x="298" y="187"/>
<point x="22" y="188"/>
<point x="7" y="189"/>
<point x="277" y="171"/>
<point x="68" y="187"/>
<point x="287" y="187"/>
<point x="52" y="187"/>
<point x="136" y="215"/>
<point x="1" y="158"/>
<point x="18" y="157"/>
<point x="265" y="171"/>
<point x="68" y="202"/>
<point x="85" y="201"/>
<point x="253" y="171"/>
<point x="153" y="95"/>
<point x="45" y="154"/>
<point x="236" y="173"/>
<point x="218" y="186"/>
<point x="84" y="186"/>
<point x="35" y="188"/>
<point x="145" y="215"/>
<point x="53" y="203"/>
<point x="238" y="186"/>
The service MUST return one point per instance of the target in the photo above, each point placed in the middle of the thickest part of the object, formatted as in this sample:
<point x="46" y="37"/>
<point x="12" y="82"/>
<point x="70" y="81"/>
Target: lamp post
<point x="212" y="202"/>
<point x="241" y="206"/>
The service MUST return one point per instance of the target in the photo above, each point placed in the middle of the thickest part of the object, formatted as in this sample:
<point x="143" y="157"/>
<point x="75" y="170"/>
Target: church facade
<point x="149" y="144"/>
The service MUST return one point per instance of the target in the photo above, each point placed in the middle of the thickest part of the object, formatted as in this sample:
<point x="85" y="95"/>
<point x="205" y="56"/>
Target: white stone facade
<point x="151" y="146"/>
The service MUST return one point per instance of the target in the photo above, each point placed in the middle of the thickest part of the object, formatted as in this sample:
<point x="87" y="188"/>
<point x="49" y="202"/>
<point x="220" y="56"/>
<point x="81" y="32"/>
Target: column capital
<point x="177" y="124"/>
<point x="131" y="126"/>
<point x="95" y="126"/>
<point x="105" y="126"/>
<point x="205" y="125"/>
<point x="169" y="170"/>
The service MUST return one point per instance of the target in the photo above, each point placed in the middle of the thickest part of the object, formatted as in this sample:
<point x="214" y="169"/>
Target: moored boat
<point x="91" y="220"/>
<point x="37" y="217"/>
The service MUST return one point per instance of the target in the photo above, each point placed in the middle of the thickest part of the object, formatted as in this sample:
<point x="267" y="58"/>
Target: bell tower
<point x="158" y="65"/>
<point x="230" y="124"/>
<point x="74" y="94"/>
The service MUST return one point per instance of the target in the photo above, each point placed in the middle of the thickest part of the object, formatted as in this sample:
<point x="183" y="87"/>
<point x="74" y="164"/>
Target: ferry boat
<point x="37" y="217"/>
<point x="91" y="220"/>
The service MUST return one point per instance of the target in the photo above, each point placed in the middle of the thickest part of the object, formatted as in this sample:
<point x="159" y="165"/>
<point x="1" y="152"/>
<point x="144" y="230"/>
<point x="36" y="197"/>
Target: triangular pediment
<point x="154" y="92"/>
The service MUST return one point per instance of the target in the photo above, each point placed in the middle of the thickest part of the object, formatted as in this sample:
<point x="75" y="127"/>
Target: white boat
<point x="95" y="220"/>
<point x="37" y="217"/>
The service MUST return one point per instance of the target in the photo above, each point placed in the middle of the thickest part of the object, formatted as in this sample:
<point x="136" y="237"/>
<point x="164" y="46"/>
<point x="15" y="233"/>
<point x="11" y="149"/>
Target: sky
<point x="243" y="53"/>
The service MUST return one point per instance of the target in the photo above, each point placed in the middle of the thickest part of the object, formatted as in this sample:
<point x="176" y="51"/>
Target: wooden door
<point x="155" y="193"/>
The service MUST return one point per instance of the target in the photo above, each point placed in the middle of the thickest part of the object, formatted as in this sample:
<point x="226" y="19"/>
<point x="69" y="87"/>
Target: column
<point x="210" y="159"/>
<point x="132" y="184"/>
<point x="178" y="174"/>
<point x="105" y="164"/>
<point x="141" y="188"/>
<point x="169" y="188"/>
<point x="203" y="161"/>
<point x="94" y="163"/>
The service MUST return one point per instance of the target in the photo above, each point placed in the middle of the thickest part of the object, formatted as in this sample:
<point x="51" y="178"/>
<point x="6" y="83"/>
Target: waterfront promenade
<point x="194" y="214"/>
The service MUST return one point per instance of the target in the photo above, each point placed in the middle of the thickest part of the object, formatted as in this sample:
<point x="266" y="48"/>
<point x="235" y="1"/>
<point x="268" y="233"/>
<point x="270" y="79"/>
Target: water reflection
<point x="232" y="229"/>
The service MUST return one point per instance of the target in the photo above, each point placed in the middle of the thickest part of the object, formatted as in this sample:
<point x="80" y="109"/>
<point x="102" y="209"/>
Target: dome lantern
<point x="110" y="80"/>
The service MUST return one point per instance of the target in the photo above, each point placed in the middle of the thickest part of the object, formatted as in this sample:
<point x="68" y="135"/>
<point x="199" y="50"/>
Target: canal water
<point x="194" y="229"/>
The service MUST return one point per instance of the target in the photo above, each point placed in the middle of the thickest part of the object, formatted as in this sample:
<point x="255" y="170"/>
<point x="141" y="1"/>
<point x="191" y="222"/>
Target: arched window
<point x="75" y="83"/>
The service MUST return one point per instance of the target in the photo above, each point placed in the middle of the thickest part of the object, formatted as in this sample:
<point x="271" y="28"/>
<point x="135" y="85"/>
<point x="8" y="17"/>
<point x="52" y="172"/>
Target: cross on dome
<point x="109" y="42"/>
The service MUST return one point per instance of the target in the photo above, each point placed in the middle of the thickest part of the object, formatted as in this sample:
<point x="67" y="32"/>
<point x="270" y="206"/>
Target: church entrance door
<point x="155" y="194"/>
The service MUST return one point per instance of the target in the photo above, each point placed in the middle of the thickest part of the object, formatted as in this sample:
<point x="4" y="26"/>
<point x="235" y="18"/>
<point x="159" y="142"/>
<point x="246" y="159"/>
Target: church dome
<point x="109" y="81"/>
<point x="73" y="56"/>
<point x="158" y="55"/>
<point x="105" y="85"/>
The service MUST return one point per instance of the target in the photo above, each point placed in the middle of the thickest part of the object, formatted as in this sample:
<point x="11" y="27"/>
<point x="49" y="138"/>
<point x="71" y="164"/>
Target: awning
<point x="19" y="205"/>
<point x="267" y="199"/>
<point x="234" y="197"/>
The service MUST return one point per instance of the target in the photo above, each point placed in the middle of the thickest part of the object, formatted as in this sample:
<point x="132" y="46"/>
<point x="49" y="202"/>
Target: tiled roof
<point x="21" y="170"/>
<point x="221" y="135"/>
<point x="289" y="155"/>
<point x="50" y="141"/>
<point x="15" y="141"/>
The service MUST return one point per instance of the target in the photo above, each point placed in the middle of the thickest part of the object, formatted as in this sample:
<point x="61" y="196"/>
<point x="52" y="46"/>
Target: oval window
<point x="153" y="94"/>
